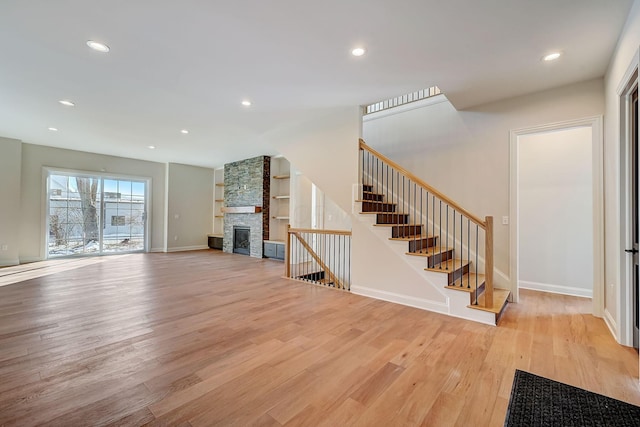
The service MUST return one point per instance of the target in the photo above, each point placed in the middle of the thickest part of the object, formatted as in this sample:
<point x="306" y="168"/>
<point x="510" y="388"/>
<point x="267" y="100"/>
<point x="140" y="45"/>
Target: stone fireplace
<point x="246" y="184"/>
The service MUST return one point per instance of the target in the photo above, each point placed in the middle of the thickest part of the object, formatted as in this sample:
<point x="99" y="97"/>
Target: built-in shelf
<point x="241" y="209"/>
<point x="280" y="204"/>
<point x="218" y="198"/>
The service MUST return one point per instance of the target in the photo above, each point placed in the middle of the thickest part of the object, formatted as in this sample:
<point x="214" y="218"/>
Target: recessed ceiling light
<point x="100" y="47"/>
<point x="151" y="147"/>
<point x="184" y="131"/>
<point x="246" y="103"/>
<point x="552" y="56"/>
<point x="53" y="129"/>
<point x="67" y="103"/>
<point x="359" y="51"/>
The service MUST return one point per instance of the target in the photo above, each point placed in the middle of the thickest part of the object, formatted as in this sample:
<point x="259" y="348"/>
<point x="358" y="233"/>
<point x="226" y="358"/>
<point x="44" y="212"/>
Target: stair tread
<point x="411" y="238"/>
<point x="377" y="212"/>
<point x="448" y="266"/>
<point x="427" y="252"/>
<point x="397" y="225"/>
<point x="471" y="277"/>
<point x="499" y="300"/>
<point x="371" y="192"/>
<point x="376" y="201"/>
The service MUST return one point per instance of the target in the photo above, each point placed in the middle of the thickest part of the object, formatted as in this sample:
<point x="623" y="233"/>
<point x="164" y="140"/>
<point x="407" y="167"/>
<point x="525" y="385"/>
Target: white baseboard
<point x="556" y="289"/>
<point x="9" y="262"/>
<point x="157" y="250"/>
<point x="188" y="248"/>
<point x="26" y="260"/>
<point x="611" y="324"/>
<point x="421" y="303"/>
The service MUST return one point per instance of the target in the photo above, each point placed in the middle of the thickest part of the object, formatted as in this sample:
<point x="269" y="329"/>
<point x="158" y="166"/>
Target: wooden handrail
<point x="315" y="256"/>
<point x="317" y="231"/>
<point x="420" y="182"/>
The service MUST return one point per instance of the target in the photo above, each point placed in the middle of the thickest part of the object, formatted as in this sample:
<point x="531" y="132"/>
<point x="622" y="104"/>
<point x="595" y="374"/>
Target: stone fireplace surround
<point x="247" y="183"/>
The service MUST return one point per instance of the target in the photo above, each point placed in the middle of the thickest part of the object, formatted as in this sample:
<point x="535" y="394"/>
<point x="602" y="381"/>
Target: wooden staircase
<point x="438" y="258"/>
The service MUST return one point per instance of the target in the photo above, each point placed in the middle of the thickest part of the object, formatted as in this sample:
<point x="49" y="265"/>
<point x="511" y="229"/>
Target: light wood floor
<point x="205" y="338"/>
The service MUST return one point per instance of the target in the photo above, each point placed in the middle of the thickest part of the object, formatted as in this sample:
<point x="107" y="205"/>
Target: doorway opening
<point x="90" y="214"/>
<point x="562" y="176"/>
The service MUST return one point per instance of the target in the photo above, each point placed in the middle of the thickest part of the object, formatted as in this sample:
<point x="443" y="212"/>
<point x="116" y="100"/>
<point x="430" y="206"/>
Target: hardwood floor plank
<point x="207" y="338"/>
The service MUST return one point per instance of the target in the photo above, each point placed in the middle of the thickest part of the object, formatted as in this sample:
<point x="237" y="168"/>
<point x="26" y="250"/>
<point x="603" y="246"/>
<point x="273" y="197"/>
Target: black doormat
<point x="537" y="401"/>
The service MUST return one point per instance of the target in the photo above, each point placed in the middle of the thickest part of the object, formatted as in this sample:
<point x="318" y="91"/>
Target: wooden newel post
<point x="488" y="262"/>
<point x="287" y="253"/>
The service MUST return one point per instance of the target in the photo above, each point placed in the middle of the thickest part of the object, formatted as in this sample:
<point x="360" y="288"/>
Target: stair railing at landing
<point x="322" y="257"/>
<point x="435" y="226"/>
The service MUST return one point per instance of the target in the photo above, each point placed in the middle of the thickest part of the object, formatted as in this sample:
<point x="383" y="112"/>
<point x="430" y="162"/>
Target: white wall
<point x="189" y="206"/>
<point x="33" y="204"/>
<point x="10" y="165"/>
<point x="325" y="150"/>
<point x="624" y="55"/>
<point x="555" y="211"/>
<point x="465" y="154"/>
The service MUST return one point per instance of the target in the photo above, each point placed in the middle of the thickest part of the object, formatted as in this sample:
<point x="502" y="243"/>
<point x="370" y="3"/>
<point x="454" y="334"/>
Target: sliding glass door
<point x="90" y="214"/>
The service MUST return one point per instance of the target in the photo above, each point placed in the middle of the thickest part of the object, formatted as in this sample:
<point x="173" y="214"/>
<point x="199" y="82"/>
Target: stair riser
<point x="456" y="274"/>
<point x="434" y="260"/>
<point x="406" y="230"/>
<point x="374" y="197"/>
<point x="378" y="207"/>
<point x="471" y="285"/>
<point x="314" y="277"/>
<point x="424" y="243"/>
<point x="392" y="219"/>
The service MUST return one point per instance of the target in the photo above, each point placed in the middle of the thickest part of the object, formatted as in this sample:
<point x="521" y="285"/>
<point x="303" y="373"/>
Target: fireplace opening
<point x="241" y="242"/>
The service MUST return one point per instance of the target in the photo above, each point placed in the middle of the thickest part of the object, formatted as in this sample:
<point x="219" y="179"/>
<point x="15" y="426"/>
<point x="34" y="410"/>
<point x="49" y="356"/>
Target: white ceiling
<point x="189" y="63"/>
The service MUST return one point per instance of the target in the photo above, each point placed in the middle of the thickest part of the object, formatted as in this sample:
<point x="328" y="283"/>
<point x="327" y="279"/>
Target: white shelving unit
<point x="218" y="202"/>
<point x="280" y="199"/>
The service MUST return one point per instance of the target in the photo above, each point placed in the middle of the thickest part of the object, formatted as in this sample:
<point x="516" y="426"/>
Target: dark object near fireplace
<point x="241" y="240"/>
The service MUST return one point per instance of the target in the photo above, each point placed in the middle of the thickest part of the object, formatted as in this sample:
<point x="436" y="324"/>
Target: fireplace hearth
<point x="241" y="240"/>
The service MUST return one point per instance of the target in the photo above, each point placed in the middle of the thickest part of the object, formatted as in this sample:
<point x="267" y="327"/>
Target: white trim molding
<point x="556" y="289"/>
<point x="595" y="122"/>
<point x="410" y="301"/>
<point x="611" y="324"/>
<point x="188" y="248"/>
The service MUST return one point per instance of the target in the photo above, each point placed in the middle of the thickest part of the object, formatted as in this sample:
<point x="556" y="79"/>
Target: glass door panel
<point x="95" y="215"/>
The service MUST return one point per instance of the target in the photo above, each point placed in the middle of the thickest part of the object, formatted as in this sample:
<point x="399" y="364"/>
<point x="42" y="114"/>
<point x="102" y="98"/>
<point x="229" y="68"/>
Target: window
<point x="94" y="214"/>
